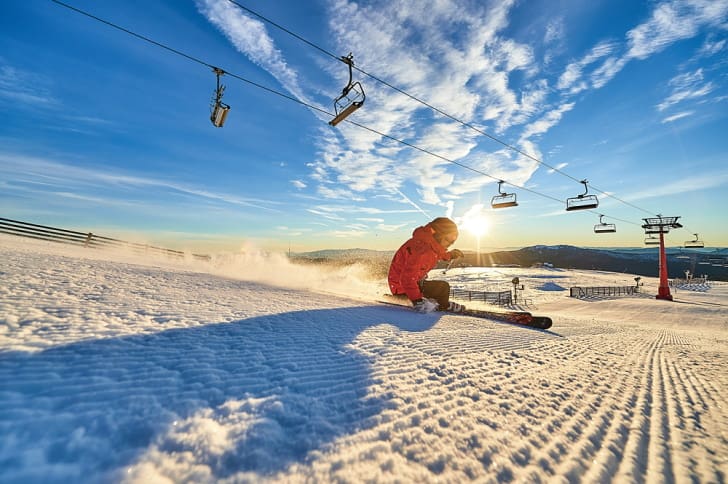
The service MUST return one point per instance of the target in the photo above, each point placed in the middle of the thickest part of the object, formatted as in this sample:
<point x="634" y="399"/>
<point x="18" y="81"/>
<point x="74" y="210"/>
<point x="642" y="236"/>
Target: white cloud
<point x="467" y="74"/>
<point x="78" y="180"/>
<point x="459" y="58"/>
<point x="672" y="21"/>
<point x="686" y="86"/>
<point x="679" y="96"/>
<point x="251" y="38"/>
<point x="326" y="215"/>
<point x="554" y="30"/>
<point x="559" y="166"/>
<point x="710" y="47"/>
<point x="606" y="72"/>
<point x="683" y="185"/>
<point x="348" y="234"/>
<point x="669" y="22"/>
<point x="25" y="88"/>
<point x="547" y="121"/>
<point x="573" y="71"/>
<point x="677" y="116"/>
<point x="392" y="228"/>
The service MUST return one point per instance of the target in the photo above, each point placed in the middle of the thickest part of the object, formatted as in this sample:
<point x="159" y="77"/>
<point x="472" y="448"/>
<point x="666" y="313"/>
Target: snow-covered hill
<point x="115" y="367"/>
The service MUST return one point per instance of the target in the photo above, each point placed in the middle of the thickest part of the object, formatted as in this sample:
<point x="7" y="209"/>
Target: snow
<point x="119" y="367"/>
<point x="550" y="286"/>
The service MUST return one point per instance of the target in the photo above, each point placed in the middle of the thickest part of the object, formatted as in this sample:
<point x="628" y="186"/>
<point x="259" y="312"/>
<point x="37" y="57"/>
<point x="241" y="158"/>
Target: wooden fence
<point x="87" y="239"/>
<point x="599" y="291"/>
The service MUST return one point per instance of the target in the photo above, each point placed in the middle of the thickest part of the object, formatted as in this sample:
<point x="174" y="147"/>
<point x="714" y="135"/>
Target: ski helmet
<point x="444" y="226"/>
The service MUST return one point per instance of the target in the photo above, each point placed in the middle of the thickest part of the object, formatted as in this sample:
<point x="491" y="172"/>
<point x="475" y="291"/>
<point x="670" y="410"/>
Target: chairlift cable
<point x="289" y="32"/>
<point x="294" y="99"/>
<point x="434" y="108"/>
<point x="146" y="39"/>
<point x="316" y="108"/>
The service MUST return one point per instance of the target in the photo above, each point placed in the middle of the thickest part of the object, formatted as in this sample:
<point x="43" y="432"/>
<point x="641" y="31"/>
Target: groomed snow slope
<point x="116" y="367"/>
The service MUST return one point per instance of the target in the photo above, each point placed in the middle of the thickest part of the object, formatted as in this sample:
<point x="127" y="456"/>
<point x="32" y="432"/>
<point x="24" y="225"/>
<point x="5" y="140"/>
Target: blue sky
<point x="102" y="131"/>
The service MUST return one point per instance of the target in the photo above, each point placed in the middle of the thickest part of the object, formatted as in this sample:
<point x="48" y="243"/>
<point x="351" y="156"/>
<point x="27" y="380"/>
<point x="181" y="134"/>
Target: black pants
<point x="437" y="290"/>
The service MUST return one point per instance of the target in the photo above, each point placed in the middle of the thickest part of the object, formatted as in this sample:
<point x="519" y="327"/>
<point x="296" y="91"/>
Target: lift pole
<point x="663" y="292"/>
<point x="662" y="225"/>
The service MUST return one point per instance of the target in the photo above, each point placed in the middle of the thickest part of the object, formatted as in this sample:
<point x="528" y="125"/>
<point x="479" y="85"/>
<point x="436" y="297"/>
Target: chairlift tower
<point x="662" y="225"/>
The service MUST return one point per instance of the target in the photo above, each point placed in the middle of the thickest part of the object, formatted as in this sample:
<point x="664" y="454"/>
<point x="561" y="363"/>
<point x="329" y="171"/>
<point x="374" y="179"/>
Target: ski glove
<point x="455" y="254"/>
<point x="425" y="305"/>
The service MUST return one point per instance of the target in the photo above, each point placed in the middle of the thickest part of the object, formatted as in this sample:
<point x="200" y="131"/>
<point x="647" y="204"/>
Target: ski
<point x="523" y="318"/>
<point x="517" y="317"/>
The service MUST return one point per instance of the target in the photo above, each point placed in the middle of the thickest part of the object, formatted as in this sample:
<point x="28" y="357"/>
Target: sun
<point x="475" y="221"/>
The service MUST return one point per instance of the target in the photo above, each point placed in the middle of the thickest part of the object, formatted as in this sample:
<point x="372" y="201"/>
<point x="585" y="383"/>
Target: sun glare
<point x="475" y="221"/>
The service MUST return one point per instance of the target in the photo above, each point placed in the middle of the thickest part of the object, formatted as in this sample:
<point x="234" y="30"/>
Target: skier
<point x="416" y="257"/>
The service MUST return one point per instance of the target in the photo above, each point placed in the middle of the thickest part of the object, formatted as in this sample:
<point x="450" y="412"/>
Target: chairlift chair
<point x="694" y="244"/>
<point x="603" y="228"/>
<point x="503" y="200"/>
<point x="219" y="110"/>
<point x="656" y="229"/>
<point x="583" y="201"/>
<point x="652" y="240"/>
<point x="352" y="96"/>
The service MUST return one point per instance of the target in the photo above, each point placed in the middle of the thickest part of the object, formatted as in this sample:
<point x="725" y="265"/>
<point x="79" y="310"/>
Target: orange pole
<point x="664" y="290"/>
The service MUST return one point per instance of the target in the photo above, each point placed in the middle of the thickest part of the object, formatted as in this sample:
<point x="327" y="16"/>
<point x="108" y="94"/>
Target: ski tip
<point x="542" y="322"/>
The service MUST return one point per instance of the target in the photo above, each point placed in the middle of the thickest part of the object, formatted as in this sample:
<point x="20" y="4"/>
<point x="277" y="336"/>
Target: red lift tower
<point x="662" y="225"/>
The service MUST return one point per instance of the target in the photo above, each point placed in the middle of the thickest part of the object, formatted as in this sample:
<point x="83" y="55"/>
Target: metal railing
<point x="85" y="239"/>
<point x="600" y="291"/>
<point x="501" y="298"/>
<point x="693" y="281"/>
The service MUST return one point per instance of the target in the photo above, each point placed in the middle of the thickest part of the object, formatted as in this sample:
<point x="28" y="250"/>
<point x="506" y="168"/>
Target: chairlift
<point x="655" y="229"/>
<point x="583" y="201"/>
<point x="602" y="228"/>
<point x="219" y="110"/>
<point x="652" y="240"/>
<point x="503" y="200"/>
<point x="352" y="96"/>
<point x="694" y="244"/>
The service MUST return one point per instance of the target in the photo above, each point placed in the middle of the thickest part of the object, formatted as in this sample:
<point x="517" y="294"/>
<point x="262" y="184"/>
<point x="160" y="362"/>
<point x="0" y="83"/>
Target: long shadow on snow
<point x="283" y="384"/>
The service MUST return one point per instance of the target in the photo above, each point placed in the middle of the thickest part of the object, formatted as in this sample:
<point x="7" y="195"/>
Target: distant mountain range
<point x="640" y="261"/>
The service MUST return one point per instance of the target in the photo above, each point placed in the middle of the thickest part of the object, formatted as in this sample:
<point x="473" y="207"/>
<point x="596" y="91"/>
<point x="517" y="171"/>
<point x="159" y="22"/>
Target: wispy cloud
<point x="683" y="185"/>
<point x="677" y="116"/>
<point x="672" y="21"/>
<point x="685" y="87"/>
<point x="25" y="88"/>
<point x="574" y="70"/>
<point x="393" y="228"/>
<point x="711" y="47"/>
<point x="547" y="121"/>
<point x="467" y="73"/>
<point x="458" y="57"/>
<point x="554" y="30"/>
<point x="559" y="166"/>
<point x="64" y="178"/>
<point x="251" y="38"/>
<point x="669" y="22"/>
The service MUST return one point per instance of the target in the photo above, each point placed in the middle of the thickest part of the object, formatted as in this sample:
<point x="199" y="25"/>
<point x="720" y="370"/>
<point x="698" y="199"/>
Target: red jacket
<point x="413" y="261"/>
